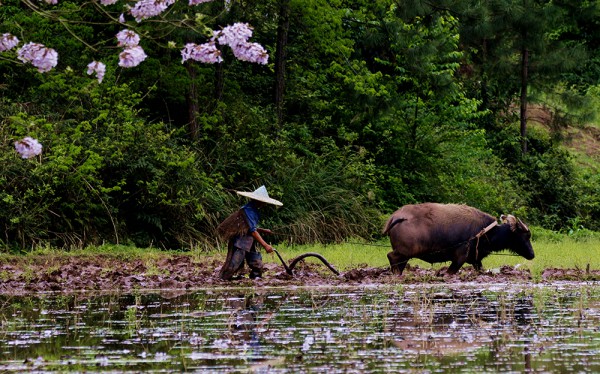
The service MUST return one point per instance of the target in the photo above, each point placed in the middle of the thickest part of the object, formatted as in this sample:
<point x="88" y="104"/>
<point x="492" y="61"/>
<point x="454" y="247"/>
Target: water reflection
<point x="403" y="328"/>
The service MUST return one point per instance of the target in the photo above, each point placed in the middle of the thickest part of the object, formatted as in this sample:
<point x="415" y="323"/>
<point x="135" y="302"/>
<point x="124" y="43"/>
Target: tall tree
<point x="516" y="38"/>
<point x="280" y="56"/>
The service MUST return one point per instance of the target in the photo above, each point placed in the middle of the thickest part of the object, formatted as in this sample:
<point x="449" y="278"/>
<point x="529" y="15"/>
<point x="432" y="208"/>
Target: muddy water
<point x="433" y="328"/>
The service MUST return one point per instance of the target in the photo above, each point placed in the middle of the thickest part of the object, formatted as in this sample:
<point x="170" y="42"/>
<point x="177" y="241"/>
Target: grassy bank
<point x="552" y="250"/>
<point x="567" y="251"/>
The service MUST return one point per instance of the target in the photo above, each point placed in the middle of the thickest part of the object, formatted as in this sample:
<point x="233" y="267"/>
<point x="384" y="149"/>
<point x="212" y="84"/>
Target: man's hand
<point x="262" y="242"/>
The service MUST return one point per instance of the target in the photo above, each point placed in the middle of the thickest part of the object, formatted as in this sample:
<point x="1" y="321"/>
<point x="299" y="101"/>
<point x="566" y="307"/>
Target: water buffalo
<point x="449" y="232"/>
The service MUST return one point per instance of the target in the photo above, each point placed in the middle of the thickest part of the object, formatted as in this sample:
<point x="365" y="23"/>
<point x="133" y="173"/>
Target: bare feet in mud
<point x="113" y="273"/>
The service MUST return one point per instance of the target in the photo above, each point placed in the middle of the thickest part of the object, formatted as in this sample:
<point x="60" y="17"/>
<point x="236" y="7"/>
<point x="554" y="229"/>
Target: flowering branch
<point x="28" y="147"/>
<point x="235" y="36"/>
<point x="43" y="58"/>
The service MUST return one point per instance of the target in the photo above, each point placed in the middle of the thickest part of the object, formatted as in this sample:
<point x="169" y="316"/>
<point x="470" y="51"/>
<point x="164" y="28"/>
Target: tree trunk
<point x="221" y="19"/>
<point x="192" y="102"/>
<point x="219" y="81"/>
<point x="523" y="116"/>
<point x="280" y="56"/>
<point x="485" y="102"/>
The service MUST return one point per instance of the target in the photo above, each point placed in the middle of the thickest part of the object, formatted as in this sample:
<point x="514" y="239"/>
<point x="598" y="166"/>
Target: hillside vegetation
<point x="363" y="106"/>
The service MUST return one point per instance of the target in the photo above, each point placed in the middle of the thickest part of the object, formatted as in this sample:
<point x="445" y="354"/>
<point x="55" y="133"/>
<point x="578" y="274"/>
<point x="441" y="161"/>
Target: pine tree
<point x="517" y="38"/>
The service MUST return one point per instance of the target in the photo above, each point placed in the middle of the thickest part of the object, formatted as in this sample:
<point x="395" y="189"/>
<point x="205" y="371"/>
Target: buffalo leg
<point x="478" y="265"/>
<point x="459" y="259"/>
<point x="397" y="262"/>
<point x="454" y="268"/>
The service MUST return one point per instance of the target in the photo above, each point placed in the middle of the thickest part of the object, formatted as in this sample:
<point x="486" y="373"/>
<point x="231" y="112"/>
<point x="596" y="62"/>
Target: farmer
<point x="241" y="231"/>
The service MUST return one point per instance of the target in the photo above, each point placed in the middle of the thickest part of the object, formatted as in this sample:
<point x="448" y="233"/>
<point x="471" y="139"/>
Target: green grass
<point x="344" y="256"/>
<point x="551" y="251"/>
<point x="124" y="251"/>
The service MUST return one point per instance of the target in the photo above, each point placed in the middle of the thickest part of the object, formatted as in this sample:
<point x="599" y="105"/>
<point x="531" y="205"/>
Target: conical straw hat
<point x="260" y="194"/>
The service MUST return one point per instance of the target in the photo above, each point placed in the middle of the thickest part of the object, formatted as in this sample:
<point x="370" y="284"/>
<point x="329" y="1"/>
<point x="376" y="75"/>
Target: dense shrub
<point x="104" y="174"/>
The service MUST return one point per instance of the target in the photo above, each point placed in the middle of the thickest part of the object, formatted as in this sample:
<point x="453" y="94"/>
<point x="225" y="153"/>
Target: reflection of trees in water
<point x="441" y="309"/>
<point x="437" y="326"/>
<point x="249" y="320"/>
<point x="500" y="327"/>
<point x="447" y="321"/>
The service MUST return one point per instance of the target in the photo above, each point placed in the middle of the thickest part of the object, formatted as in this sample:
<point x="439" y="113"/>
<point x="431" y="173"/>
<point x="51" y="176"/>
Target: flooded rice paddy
<point x="401" y="328"/>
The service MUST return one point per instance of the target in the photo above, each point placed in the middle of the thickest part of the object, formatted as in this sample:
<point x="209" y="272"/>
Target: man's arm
<point x="262" y="242"/>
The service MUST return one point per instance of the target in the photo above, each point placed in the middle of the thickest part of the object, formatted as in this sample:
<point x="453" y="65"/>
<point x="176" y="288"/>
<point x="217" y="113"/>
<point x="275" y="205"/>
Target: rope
<point x="478" y="236"/>
<point x="355" y="243"/>
<point x="369" y="244"/>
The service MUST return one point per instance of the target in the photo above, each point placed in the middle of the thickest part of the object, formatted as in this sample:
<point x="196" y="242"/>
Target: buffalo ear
<point x="510" y="219"/>
<point x="522" y="226"/>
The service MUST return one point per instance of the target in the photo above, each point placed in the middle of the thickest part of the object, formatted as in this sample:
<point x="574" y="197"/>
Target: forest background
<point x="363" y="107"/>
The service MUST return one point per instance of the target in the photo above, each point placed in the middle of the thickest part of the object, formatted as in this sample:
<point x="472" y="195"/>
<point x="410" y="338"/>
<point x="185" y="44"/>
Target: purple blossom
<point x="108" y="2"/>
<point x="250" y="52"/>
<point x="28" y="147"/>
<point x="98" y="68"/>
<point x="52" y="2"/>
<point x="149" y="8"/>
<point x="234" y="34"/>
<point x="196" y="2"/>
<point x="207" y="53"/>
<point x="131" y="57"/>
<point x="128" y="38"/>
<point x="44" y="59"/>
<point x="7" y="42"/>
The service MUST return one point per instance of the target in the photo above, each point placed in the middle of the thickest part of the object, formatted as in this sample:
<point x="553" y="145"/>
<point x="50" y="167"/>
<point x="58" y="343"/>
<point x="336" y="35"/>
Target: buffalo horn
<point x="522" y="225"/>
<point x="511" y="220"/>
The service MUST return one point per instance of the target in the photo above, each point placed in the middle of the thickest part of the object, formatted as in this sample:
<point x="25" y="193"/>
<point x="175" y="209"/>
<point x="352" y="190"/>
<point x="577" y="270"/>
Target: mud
<point x="105" y="272"/>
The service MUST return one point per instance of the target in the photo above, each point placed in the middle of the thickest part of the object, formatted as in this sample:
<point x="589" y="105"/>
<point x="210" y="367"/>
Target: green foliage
<point x="328" y="199"/>
<point x="587" y="190"/>
<point x="550" y="182"/>
<point x="386" y="103"/>
<point x="104" y="174"/>
<point x="554" y="190"/>
<point x="475" y="176"/>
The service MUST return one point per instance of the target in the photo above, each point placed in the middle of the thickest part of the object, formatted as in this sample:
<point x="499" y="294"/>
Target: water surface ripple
<point x="427" y="328"/>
